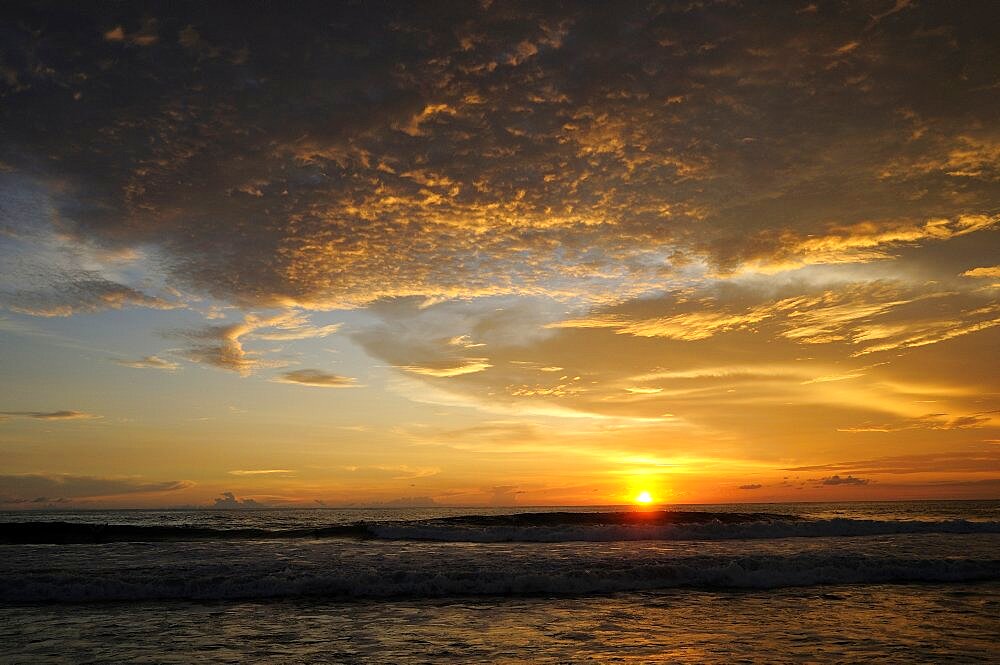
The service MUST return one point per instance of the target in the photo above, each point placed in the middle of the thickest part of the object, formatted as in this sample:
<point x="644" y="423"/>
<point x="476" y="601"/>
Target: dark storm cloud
<point x="332" y="153"/>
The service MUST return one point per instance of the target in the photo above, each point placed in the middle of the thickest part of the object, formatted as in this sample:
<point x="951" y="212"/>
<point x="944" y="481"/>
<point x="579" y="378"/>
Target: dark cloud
<point x="229" y="501"/>
<point x="63" y="488"/>
<point x="754" y="486"/>
<point x="842" y="480"/>
<point x="334" y="153"/>
<point x="79" y="294"/>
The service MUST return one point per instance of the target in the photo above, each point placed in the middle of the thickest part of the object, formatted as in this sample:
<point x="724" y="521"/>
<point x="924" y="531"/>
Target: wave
<point x="709" y="530"/>
<point x="64" y="533"/>
<point x="525" y="527"/>
<point x="483" y="576"/>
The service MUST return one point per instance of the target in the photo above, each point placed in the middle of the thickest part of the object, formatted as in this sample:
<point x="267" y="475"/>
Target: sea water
<point x="886" y="582"/>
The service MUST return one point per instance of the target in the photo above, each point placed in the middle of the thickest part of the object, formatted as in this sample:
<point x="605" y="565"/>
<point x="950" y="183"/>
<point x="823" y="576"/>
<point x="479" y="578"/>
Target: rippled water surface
<point x="909" y="582"/>
<point x="847" y="623"/>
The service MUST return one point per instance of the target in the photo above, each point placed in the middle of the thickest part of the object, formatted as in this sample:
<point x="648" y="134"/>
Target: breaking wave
<point x="525" y="527"/>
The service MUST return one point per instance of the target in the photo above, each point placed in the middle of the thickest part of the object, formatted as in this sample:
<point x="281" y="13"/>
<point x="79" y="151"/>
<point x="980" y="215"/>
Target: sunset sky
<point x="495" y="253"/>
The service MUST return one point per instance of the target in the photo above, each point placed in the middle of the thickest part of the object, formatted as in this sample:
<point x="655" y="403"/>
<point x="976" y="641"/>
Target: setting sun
<point x="619" y="325"/>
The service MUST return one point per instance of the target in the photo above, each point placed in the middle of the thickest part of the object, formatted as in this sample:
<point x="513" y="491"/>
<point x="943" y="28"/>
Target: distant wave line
<point x="524" y="527"/>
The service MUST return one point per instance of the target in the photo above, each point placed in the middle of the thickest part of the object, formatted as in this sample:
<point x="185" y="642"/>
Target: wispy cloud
<point x="446" y="369"/>
<point x="988" y="271"/>
<point x="931" y="421"/>
<point x="224" y="345"/>
<point x="149" y="362"/>
<point x="316" y="378"/>
<point x="939" y="462"/>
<point x="391" y="471"/>
<point x="79" y="293"/>
<point x="39" y="488"/>
<point x="49" y="415"/>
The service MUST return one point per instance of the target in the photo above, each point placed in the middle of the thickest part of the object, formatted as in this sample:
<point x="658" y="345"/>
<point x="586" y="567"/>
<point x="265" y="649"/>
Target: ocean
<point x="799" y="582"/>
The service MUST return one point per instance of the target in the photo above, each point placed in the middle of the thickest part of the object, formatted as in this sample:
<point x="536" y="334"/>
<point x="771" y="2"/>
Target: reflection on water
<point x="873" y="623"/>
<point x="284" y="519"/>
<point x="814" y="589"/>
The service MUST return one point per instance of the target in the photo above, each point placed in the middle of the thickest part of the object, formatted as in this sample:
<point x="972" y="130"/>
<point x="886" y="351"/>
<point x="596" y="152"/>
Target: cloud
<point x="260" y="472"/>
<point x="223" y="345"/>
<point x="537" y="221"/>
<point x="689" y="326"/>
<point x="287" y="331"/>
<point x="316" y="378"/>
<point x="445" y="369"/>
<point x="391" y="471"/>
<point x="38" y="488"/>
<point x="845" y="480"/>
<point x="931" y="421"/>
<point x="875" y="316"/>
<point x="289" y="325"/>
<point x="149" y="362"/>
<point x="79" y="294"/>
<point x="988" y="271"/>
<point x="865" y="241"/>
<point x="796" y="366"/>
<point x="939" y="462"/>
<point x="509" y="150"/>
<point x="754" y="486"/>
<point x="50" y="415"/>
<point x="229" y="501"/>
<point x="220" y="346"/>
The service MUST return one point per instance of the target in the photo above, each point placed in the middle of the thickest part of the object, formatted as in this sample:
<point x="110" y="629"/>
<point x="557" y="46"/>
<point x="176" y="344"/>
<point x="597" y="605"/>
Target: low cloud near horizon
<point x="60" y="488"/>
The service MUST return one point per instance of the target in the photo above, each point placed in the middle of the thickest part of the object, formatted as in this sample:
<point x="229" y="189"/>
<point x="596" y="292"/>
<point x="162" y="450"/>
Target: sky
<point x="498" y="253"/>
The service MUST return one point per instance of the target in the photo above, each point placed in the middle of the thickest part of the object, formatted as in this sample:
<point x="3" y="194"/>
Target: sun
<point x="644" y="498"/>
